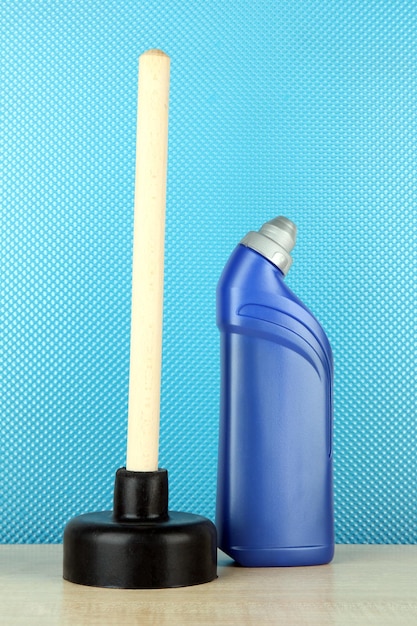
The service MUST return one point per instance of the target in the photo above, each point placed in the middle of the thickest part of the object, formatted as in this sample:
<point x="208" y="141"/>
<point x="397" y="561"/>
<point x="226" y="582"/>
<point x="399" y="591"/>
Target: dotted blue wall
<point x="301" y="108"/>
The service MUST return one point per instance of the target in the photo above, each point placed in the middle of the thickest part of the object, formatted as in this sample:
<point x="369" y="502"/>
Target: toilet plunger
<point x="141" y="544"/>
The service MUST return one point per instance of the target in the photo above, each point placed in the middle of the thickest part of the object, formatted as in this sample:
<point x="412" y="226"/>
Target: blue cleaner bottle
<point x="275" y="493"/>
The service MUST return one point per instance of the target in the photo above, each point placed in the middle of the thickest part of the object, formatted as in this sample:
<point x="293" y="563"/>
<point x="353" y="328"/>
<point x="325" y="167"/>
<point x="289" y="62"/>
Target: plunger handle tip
<point x="155" y="52"/>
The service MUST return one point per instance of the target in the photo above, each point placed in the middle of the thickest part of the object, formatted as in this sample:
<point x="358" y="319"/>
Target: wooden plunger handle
<point x="148" y="262"/>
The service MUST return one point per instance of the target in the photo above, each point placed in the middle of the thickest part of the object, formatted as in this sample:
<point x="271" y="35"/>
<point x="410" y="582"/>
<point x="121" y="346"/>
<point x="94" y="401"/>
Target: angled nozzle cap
<point x="274" y="241"/>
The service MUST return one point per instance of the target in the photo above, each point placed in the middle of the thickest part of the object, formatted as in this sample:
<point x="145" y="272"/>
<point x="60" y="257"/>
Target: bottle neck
<point x="274" y="241"/>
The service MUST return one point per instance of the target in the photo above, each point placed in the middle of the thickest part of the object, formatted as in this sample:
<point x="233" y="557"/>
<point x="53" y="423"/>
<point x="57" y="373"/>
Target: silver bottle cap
<point x="274" y="240"/>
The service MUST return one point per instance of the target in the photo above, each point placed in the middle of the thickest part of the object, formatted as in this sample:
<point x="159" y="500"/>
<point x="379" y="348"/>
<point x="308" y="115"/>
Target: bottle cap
<point x="274" y="241"/>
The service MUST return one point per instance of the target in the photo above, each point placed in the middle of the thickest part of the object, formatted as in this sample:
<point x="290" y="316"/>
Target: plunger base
<point x="140" y="545"/>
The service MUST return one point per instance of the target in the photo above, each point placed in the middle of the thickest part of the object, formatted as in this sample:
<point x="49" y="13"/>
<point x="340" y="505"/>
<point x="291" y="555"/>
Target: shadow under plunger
<point x="140" y="544"/>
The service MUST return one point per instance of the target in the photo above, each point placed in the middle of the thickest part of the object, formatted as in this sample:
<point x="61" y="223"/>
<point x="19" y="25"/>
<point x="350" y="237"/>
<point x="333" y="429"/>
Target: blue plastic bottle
<point x="275" y="494"/>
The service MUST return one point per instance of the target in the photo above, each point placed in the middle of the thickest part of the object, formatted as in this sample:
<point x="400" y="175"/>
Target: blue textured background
<point x="304" y="108"/>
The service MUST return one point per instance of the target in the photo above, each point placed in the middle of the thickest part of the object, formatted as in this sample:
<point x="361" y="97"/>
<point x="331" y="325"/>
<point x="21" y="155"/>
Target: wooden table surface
<point x="363" y="585"/>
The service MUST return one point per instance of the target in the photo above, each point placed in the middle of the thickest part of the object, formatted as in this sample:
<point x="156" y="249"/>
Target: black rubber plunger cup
<point x="140" y="544"/>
